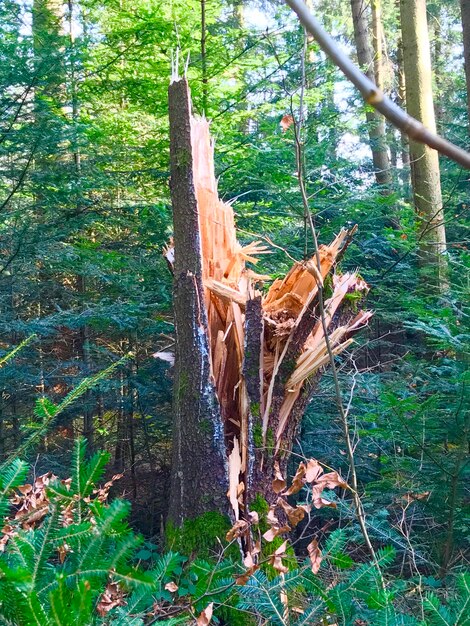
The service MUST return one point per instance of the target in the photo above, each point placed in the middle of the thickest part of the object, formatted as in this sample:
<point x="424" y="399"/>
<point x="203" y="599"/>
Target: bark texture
<point x="376" y="123"/>
<point x="465" y="12"/>
<point x="424" y="161"/>
<point x="199" y="474"/>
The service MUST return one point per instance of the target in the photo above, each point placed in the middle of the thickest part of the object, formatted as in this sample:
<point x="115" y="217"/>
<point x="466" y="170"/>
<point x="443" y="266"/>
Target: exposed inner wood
<point x="288" y="336"/>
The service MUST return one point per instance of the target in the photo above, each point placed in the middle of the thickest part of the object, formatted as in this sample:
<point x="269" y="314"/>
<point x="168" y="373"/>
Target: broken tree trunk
<point x="247" y="359"/>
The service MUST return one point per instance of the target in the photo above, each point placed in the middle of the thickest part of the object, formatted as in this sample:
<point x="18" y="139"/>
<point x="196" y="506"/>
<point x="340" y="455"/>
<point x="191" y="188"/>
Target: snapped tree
<point x="247" y="359"/>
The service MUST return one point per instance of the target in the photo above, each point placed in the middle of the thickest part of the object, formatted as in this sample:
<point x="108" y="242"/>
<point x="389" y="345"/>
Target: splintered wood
<point x="291" y="342"/>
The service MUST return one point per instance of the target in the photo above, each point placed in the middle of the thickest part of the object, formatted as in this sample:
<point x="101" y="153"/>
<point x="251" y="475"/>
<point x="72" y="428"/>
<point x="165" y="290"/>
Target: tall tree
<point x="376" y="124"/>
<point x="424" y="161"/>
<point x="465" y="12"/>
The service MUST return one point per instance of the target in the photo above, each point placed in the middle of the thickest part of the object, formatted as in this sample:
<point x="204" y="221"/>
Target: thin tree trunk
<point x="376" y="124"/>
<point x="204" y="57"/>
<point x="424" y="161"/>
<point x="377" y="37"/>
<point x="438" y="66"/>
<point x="465" y="12"/>
<point x="405" y="148"/>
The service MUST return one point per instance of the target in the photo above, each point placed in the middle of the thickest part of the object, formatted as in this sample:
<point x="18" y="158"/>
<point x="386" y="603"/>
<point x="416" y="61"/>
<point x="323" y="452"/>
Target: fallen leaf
<point x="171" y="586"/>
<point x="112" y="597"/>
<point x="205" y="616"/>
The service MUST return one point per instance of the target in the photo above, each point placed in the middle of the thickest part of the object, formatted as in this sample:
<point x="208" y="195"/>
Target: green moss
<point x="328" y="287"/>
<point x="255" y="409"/>
<point x="354" y="298"/>
<point x="259" y="505"/>
<point x="200" y="535"/>
<point x="270" y="440"/>
<point x="258" y="436"/>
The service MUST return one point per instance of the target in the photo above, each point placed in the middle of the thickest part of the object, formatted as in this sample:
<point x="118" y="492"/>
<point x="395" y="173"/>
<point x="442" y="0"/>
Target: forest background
<point x="86" y="214"/>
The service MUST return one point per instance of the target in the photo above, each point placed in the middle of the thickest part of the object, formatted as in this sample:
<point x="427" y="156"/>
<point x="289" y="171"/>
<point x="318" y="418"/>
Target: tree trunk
<point x="465" y="11"/>
<point x="424" y="161"/>
<point x="377" y="37"/>
<point x="405" y="148"/>
<point x="204" y="57"/>
<point x="199" y="467"/>
<point x="244" y="362"/>
<point x="375" y="120"/>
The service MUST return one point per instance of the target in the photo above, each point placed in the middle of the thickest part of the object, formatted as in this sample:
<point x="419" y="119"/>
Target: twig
<point x="321" y="305"/>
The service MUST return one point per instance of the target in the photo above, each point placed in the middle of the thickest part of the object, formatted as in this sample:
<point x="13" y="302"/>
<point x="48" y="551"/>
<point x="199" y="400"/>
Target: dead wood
<point x="265" y="351"/>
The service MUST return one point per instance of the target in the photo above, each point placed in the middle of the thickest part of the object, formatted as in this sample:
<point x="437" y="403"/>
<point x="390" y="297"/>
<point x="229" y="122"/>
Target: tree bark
<point x="375" y="120"/>
<point x="424" y="161"/>
<point x="199" y="466"/>
<point x="465" y="12"/>
<point x="405" y="148"/>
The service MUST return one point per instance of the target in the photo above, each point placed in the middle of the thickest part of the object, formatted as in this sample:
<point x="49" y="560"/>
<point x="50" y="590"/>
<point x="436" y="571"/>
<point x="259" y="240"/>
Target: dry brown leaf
<point x="279" y="483"/>
<point x="205" y="616"/>
<point x="171" y="586"/>
<point x="298" y="481"/>
<point x="238" y="529"/>
<point x="273" y="532"/>
<point x="286" y="122"/>
<point x="313" y="471"/>
<point x="320" y="503"/>
<point x="282" y="549"/>
<point x="294" y="514"/>
<point x="315" y="556"/>
<point x="254" y="517"/>
<point x="276" y="562"/>
<point x="271" y="516"/>
<point x="244" y="578"/>
<point x="332" y="480"/>
<point x="112" y="597"/>
<point x="276" y="559"/>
